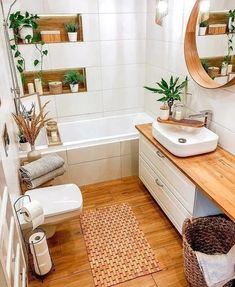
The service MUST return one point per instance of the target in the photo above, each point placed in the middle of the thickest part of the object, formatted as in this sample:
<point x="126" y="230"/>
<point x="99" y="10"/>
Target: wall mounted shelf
<point x="56" y="22"/>
<point x="52" y="76"/>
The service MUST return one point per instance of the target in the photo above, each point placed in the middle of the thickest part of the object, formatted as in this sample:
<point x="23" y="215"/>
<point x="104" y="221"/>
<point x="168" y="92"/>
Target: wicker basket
<point x="213" y="72"/>
<point x="55" y="87"/>
<point x="210" y="235"/>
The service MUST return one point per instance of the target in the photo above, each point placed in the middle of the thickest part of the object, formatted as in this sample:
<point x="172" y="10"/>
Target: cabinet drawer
<point x="170" y="205"/>
<point x="182" y="188"/>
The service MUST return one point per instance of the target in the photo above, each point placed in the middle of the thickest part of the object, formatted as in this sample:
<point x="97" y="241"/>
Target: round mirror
<point x="210" y="43"/>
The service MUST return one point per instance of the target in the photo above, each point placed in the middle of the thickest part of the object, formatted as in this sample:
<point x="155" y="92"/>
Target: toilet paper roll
<point x="33" y="212"/>
<point x="39" y="241"/>
<point x="41" y="256"/>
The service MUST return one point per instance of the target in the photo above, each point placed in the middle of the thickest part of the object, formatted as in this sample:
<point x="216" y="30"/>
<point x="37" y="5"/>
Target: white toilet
<point x="59" y="202"/>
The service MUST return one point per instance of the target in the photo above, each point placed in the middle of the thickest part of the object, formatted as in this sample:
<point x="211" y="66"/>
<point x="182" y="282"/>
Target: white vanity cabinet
<point x="172" y="190"/>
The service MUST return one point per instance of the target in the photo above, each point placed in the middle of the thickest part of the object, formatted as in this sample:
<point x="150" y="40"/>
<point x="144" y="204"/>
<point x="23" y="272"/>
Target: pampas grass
<point x="31" y="126"/>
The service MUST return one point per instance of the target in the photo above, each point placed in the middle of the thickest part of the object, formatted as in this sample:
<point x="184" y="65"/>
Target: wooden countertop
<point x="213" y="173"/>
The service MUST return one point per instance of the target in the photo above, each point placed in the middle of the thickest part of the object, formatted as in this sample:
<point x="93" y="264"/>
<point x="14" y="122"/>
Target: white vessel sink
<point x="185" y="141"/>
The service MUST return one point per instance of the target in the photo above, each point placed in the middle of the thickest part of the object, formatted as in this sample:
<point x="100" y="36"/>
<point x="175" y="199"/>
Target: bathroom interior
<point x="117" y="147"/>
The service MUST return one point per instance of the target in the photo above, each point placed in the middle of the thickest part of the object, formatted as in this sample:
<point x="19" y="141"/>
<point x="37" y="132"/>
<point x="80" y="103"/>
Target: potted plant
<point x="202" y="28"/>
<point x="30" y="126"/>
<point x="73" y="78"/>
<point x="23" y="25"/>
<point x="171" y="91"/>
<point x="23" y="143"/>
<point x="164" y="112"/>
<point x="72" y="29"/>
<point x="231" y="21"/>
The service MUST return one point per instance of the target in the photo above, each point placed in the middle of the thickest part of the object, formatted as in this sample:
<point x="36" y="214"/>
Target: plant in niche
<point x="23" y="25"/>
<point x="170" y="92"/>
<point x="72" y="28"/>
<point x="203" y="24"/>
<point x="73" y="78"/>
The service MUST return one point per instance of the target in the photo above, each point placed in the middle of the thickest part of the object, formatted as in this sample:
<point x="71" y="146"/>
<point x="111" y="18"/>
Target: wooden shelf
<point x="218" y="17"/>
<point x="217" y="61"/>
<point x="52" y="76"/>
<point x="57" y="22"/>
<point x="184" y="122"/>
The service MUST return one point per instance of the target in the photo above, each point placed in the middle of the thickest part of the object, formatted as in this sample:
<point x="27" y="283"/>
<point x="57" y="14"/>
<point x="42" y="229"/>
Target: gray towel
<point x="41" y="167"/>
<point x="40" y="180"/>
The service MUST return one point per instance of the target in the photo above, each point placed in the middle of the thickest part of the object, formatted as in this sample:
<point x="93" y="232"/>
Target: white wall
<point x="165" y="57"/>
<point x="10" y="163"/>
<point x="113" y="53"/>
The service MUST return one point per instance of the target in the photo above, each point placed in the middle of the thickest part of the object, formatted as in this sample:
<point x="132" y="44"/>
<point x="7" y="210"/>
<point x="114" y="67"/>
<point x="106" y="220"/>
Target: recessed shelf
<point x="56" y="22"/>
<point x="217" y="61"/>
<point x="52" y="76"/>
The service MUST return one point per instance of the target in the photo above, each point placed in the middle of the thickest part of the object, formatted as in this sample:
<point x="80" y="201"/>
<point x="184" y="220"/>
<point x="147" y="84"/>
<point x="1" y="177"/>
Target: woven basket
<point x="55" y="87"/>
<point x="210" y="235"/>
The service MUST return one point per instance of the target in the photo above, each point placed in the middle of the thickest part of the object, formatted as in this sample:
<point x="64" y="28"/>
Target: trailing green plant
<point x="40" y="61"/>
<point x="73" y="78"/>
<point x="231" y="14"/>
<point x="205" y="65"/>
<point x="171" y="91"/>
<point x="18" y="20"/>
<point x="71" y="27"/>
<point x="204" y="24"/>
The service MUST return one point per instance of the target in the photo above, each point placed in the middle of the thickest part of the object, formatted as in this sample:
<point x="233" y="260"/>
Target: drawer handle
<point x="158" y="183"/>
<point x="160" y="154"/>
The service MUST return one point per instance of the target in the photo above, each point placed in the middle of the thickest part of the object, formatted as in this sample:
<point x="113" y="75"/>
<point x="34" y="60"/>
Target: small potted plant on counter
<point x="73" y="79"/>
<point x="171" y="91"/>
<point x="231" y="21"/>
<point x="202" y="28"/>
<point x="72" y="29"/>
<point x="23" y="143"/>
<point x="23" y="25"/>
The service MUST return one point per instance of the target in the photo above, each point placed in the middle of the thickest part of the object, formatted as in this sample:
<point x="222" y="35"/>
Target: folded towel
<point x="40" y="180"/>
<point x="217" y="269"/>
<point x="41" y="167"/>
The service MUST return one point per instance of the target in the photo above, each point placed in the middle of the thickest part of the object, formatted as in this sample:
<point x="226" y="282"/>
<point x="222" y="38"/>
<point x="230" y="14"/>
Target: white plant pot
<point x="202" y="31"/>
<point x="231" y="24"/>
<point x="164" y="114"/>
<point x="24" y="31"/>
<point x="73" y="36"/>
<point x="24" y="146"/>
<point x="38" y="86"/>
<point x="224" y="69"/>
<point x="74" y="88"/>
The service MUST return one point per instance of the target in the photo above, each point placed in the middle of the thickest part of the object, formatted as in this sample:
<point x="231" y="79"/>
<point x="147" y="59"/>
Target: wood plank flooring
<point x="69" y="251"/>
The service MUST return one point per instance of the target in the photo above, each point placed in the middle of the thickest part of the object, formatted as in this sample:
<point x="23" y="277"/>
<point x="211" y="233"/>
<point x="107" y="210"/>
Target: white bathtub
<point x="99" y="149"/>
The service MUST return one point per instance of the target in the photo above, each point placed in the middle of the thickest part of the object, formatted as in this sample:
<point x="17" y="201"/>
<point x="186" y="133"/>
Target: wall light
<point x="161" y="11"/>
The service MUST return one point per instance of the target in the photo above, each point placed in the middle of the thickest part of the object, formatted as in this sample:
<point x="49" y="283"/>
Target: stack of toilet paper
<point x="33" y="212"/>
<point x="41" y="256"/>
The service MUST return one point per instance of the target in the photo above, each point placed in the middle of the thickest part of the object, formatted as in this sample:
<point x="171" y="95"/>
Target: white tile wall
<point x="113" y="53"/>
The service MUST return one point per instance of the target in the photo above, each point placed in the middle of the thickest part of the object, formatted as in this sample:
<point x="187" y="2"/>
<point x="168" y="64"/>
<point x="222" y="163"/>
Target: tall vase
<point x="33" y="154"/>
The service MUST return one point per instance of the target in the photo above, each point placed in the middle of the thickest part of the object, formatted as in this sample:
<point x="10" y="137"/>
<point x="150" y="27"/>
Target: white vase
<point x="230" y="68"/>
<point x="25" y="31"/>
<point x="73" y="36"/>
<point x="33" y="154"/>
<point x="74" y="88"/>
<point x="24" y="146"/>
<point x="202" y="31"/>
<point x="164" y="114"/>
<point x="231" y="23"/>
<point x="38" y="86"/>
<point x="224" y="69"/>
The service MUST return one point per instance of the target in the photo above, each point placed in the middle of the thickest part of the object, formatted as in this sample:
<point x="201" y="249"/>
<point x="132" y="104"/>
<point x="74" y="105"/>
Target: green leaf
<point x="36" y="62"/>
<point x="19" y="68"/>
<point x="17" y="54"/>
<point x="20" y="62"/>
<point x="13" y="47"/>
<point x="45" y="52"/>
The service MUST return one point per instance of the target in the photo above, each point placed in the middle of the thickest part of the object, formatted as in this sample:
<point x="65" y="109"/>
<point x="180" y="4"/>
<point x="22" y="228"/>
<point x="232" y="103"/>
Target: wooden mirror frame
<point x="192" y="59"/>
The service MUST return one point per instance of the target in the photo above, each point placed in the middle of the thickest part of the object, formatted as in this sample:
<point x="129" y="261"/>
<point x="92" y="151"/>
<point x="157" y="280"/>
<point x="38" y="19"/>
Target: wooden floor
<point x="69" y="251"/>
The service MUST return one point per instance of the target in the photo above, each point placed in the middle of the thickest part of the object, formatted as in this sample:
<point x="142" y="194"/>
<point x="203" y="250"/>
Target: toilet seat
<point x="58" y="199"/>
<point x="59" y="203"/>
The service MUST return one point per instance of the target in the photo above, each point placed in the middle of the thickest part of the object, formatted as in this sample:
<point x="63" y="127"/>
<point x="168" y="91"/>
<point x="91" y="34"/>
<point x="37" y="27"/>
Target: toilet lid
<point x="58" y="199"/>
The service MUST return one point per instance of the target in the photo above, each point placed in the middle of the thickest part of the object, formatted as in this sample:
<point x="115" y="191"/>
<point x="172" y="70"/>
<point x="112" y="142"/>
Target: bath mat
<point x="117" y="249"/>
